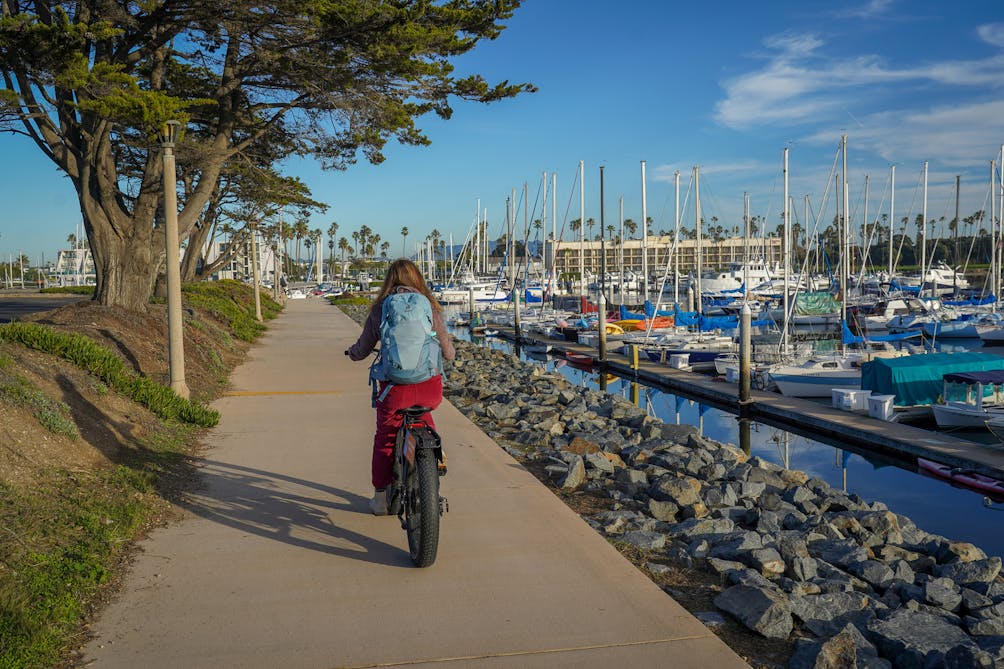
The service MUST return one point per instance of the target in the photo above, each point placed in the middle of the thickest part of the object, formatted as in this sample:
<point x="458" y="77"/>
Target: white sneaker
<point x="378" y="505"/>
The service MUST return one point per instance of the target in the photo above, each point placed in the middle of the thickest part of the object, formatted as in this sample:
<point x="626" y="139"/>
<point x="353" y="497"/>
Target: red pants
<point x="427" y="393"/>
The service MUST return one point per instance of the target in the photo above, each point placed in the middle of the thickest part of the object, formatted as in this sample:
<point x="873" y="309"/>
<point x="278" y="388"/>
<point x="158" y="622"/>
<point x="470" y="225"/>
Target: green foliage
<point x="69" y="290"/>
<point x="332" y="79"/>
<point x="55" y="416"/>
<point x="232" y="302"/>
<point x="339" y="301"/>
<point x="62" y="538"/>
<point x="109" y="368"/>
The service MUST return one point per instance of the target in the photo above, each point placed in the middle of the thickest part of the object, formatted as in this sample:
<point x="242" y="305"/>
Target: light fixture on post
<point x="175" y="336"/>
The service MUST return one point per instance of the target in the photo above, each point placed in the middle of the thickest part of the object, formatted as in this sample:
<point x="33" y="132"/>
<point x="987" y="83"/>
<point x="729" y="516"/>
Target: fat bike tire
<point x="422" y="509"/>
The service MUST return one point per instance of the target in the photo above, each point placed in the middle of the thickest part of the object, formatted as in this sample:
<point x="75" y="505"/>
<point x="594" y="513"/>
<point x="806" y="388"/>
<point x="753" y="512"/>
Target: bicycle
<point x="413" y="495"/>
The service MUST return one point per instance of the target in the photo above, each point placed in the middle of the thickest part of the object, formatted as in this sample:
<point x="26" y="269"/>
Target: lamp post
<point x="175" y="339"/>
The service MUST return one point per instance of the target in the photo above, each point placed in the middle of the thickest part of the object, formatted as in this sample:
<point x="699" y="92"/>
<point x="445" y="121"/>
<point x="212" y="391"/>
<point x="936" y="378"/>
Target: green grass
<point x="62" y="538"/>
<point x="69" y="290"/>
<point x="110" y="369"/>
<point x="339" y="301"/>
<point x="53" y="415"/>
<point x="232" y="303"/>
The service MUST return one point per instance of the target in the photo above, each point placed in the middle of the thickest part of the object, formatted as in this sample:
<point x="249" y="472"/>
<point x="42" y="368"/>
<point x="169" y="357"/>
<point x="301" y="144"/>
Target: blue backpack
<point x="409" y="350"/>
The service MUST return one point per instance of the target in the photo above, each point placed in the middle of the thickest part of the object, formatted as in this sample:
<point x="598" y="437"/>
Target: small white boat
<point x="536" y="346"/>
<point x="982" y="402"/>
<point x="818" y="376"/>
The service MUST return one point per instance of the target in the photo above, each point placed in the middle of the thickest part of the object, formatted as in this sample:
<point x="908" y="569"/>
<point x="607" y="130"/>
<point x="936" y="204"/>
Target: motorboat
<point x="818" y="376"/>
<point x="982" y="399"/>
<point x="483" y="292"/>
<point x="733" y="278"/>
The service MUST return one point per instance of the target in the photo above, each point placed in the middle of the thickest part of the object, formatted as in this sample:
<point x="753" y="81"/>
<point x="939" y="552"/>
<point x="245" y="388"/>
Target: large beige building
<point x="714" y="254"/>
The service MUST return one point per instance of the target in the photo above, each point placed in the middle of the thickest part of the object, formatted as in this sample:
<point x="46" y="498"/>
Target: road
<point x="14" y="305"/>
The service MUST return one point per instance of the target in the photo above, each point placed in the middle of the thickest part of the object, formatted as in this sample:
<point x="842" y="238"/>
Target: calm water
<point x="932" y="504"/>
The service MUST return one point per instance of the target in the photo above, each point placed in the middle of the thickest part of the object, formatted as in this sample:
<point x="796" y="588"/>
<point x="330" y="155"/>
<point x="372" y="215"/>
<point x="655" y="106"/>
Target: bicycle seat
<point x="414" y="411"/>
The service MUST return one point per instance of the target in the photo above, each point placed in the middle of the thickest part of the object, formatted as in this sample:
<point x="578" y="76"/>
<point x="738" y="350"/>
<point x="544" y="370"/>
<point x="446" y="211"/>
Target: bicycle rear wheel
<point x="422" y="509"/>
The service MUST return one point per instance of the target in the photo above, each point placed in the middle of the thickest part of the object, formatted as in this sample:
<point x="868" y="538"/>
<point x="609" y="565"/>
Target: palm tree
<point x="307" y="242"/>
<point x="575" y="225"/>
<point x="71" y="239"/>
<point x="344" y="247"/>
<point x="589" y="224"/>
<point x="300" y="231"/>
<point x="384" y="250"/>
<point x="404" y="241"/>
<point x="355" y="238"/>
<point x="630" y="226"/>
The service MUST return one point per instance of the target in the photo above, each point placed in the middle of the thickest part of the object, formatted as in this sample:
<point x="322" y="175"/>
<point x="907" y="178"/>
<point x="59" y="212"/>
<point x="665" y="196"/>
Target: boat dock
<point x="804" y="417"/>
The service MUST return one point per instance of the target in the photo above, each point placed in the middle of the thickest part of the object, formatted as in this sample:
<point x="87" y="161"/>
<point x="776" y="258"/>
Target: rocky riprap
<point x="854" y="583"/>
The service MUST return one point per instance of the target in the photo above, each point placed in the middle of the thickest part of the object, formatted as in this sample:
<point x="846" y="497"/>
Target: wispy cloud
<point x="869" y="10"/>
<point x="992" y="33"/>
<point x="666" y="172"/>
<point x="952" y="134"/>
<point x="800" y="84"/>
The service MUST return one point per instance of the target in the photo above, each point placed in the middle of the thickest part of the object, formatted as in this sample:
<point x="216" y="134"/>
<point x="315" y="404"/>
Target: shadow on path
<point x="287" y="509"/>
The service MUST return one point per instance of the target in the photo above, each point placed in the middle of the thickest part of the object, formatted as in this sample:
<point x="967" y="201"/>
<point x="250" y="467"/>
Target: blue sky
<point x="723" y="85"/>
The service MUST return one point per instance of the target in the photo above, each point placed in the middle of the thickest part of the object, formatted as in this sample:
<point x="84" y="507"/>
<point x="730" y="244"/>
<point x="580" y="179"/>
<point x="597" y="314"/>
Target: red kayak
<point x="579" y="358"/>
<point x="963" y="477"/>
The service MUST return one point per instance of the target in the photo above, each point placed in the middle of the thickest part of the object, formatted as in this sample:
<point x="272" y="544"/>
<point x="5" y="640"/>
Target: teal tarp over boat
<point x="917" y="379"/>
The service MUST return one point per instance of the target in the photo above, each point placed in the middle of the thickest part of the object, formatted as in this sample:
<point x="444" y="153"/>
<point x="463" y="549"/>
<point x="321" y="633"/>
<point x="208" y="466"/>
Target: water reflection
<point x="934" y="504"/>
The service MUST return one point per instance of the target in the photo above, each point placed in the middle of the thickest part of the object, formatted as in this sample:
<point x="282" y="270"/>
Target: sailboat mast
<point x="955" y="246"/>
<point x="554" y="232"/>
<point x="1000" y="208"/>
<point x="543" y="223"/>
<point x="644" y="234"/>
<point x="892" y="213"/>
<point x="845" y="260"/>
<point x="805" y="207"/>
<point x="697" y="223"/>
<point x="582" y="227"/>
<point x="746" y="244"/>
<point x="476" y="246"/>
<point x="676" y="241"/>
<point x="620" y="250"/>
<point x="994" y="257"/>
<point x="865" y="246"/>
<point x="787" y="255"/>
<point x="923" y="237"/>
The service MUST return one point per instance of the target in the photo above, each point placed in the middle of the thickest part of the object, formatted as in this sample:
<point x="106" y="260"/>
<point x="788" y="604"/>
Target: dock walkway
<point x="802" y="416"/>
<point x="277" y="562"/>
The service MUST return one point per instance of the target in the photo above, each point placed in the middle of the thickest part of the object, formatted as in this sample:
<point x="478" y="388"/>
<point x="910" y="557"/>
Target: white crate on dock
<point x="881" y="406"/>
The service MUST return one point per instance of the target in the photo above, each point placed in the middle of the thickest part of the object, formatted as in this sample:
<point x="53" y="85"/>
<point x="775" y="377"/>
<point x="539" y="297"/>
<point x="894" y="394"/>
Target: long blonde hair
<point x="403" y="272"/>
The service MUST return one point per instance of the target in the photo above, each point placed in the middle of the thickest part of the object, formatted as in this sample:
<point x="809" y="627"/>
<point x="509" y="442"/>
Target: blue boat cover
<point x="993" y="377"/>
<point x="896" y="285"/>
<point x="917" y="379"/>
<point x="989" y="299"/>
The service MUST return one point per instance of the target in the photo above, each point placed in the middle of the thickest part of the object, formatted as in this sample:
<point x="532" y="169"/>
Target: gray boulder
<point x="916" y="640"/>
<point x="847" y="648"/>
<point x="576" y="474"/>
<point x="987" y="622"/>
<point x="759" y="609"/>
<point x="977" y="574"/>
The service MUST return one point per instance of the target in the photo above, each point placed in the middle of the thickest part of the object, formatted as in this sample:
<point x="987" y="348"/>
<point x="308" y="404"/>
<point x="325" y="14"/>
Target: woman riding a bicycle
<point x="402" y="276"/>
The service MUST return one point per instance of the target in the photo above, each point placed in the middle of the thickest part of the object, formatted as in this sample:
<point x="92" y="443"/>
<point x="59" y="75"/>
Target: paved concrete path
<point x="277" y="562"/>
